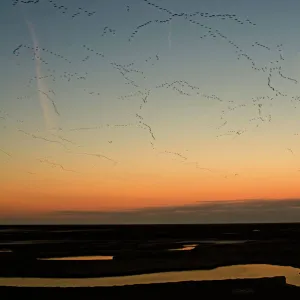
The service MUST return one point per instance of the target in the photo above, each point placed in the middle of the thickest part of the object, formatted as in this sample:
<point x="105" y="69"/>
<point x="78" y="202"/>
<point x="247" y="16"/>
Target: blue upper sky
<point x="209" y="83"/>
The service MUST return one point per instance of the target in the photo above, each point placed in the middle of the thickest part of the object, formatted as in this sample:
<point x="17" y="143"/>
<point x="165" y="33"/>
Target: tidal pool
<point x="185" y="247"/>
<point x="91" y="257"/>
<point x="230" y="272"/>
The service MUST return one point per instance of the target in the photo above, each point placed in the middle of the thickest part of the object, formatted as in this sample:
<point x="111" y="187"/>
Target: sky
<point x="118" y="111"/>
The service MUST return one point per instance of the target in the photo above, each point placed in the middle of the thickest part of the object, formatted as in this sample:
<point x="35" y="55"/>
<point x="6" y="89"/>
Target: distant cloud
<point x="235" y="211"/>
<point x="285" y="210"/>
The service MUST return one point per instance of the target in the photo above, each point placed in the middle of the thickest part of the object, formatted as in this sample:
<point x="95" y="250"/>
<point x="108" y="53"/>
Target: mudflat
<point x="140" y="249"/>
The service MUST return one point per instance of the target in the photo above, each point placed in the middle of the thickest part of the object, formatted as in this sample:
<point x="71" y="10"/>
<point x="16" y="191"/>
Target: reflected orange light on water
<point x="232" y="272"/>
<point x="95" y="257"/>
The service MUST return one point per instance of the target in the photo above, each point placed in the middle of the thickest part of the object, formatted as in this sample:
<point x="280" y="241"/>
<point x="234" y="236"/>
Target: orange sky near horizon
<point x="36" y="196"/>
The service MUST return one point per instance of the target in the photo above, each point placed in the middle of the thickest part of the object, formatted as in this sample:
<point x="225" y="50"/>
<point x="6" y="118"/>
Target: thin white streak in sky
<point x="49" y="122"/>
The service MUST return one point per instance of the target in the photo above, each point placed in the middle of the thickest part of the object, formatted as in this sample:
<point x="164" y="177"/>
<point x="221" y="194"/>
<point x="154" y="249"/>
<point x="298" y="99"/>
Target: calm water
<point x="227" y="241"/>
<point x="92" y="257"/>
<point x="232" y="272"/>
<point x="33" y="242"/>
<point x="185" y="247"/>
<point x="216" y="242"/>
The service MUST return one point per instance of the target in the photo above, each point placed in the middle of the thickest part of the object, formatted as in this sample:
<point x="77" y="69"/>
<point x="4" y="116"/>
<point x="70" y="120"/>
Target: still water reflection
<point x="185" y="247"/>
<point x="212" y="241"/>
<point x="231" y="272"/>
<point x="29" y="242"/>
<point x="93" y="257"/>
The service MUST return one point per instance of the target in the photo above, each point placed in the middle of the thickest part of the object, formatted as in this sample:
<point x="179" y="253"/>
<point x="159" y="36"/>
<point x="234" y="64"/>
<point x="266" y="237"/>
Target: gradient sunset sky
<point x="109" y="107"/>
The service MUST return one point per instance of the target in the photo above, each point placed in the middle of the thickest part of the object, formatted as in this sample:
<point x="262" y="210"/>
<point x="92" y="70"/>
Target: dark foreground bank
<point x="140" y="249"/>
<point x="134" y="262"/>
<point x="275" y="286"/>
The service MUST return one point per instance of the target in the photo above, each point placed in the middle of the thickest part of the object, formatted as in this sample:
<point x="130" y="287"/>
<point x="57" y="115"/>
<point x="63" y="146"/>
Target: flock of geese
<point x="132" y="76"/>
